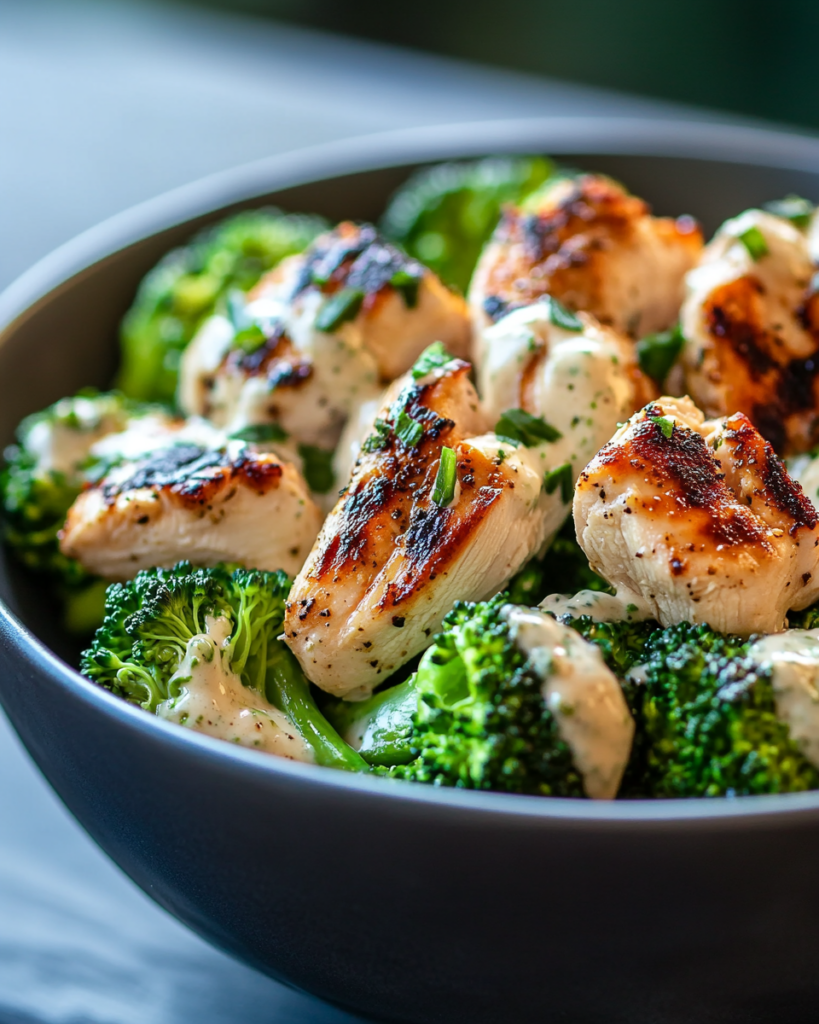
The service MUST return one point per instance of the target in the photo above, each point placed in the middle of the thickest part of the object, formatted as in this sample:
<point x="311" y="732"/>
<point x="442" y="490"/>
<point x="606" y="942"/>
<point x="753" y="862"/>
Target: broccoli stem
<point x="379" y="728"/>
<point x="289" y="690"/>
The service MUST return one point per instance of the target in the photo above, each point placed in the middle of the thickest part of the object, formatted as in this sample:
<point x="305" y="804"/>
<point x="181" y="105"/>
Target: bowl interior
<point x="67" y="338"/>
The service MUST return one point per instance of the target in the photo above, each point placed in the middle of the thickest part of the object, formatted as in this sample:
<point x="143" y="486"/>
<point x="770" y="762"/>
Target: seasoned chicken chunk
<point x="319" y="334"/>
<point x="594" y="247"/>
<point x="699" y="520"/>
<point x="432" y="514"/>
<point x="579" y="376"/>
<point x="751" y="323"/>
<point x="183" y="501"/>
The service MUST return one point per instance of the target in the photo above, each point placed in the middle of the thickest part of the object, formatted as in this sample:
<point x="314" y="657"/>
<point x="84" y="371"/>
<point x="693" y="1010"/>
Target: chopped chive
<point x="339" y="308"/>
<point x="657" y="353"/>
<point x="258" y="433"/>
<point x="562" y="317"/>
<point x="754" y="242"/>
<point x="665" y="424"/>
<point x="561" y="477"/>
<point x="378" y="439"/>
<point x="249" y="339"/>
<point x="408" y="430"/>
<point x="793" y="208"/>
<point x="430" y="359"/>
<point x="443" y="490"/>
<point x="516" y="426"/>
<point x="408" y="283"/>
<point x="317" y="464"/>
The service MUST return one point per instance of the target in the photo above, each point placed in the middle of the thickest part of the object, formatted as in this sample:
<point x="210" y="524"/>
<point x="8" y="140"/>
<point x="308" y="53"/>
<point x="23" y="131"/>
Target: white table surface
<point x="104" y="104"/>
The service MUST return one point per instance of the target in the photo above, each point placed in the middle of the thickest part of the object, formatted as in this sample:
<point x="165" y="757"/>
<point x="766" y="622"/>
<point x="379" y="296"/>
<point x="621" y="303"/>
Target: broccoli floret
<point x="444" y="214"/>
<point x="564" y="569"/>
<point x="188" y="284"/>
<point x="481" y="721"/>
<point x="705" y="713"/>
<point x="43" y="474"/>
<point x="150" y="620"/>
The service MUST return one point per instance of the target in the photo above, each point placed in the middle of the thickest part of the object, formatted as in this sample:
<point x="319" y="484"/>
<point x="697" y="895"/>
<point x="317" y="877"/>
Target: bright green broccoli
<point x="705" y="713"/>
<point x="155" y="620"/>
<point x="473" y="715"/>
<point x="444" y="214"/>
<point x="188" y="284"/>
<point x="44" y="472"/>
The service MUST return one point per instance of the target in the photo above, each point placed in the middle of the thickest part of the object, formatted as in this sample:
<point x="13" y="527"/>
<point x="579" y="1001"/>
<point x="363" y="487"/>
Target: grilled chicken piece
<point x="583" y="379"/>
<point x="321" y="333"/>
<point x="390" y="562"/>
<point x="751" y="323"/>
<point x="594" y="247"/>
<point x="186" y="502"/>
<point x="700" y="520"/>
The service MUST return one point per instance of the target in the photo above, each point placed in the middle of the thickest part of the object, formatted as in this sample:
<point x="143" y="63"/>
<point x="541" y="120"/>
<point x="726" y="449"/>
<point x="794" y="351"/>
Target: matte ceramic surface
<point x="408" y="903"/>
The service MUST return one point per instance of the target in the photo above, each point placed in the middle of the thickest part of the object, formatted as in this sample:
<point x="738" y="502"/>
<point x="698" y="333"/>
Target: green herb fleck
<point x="754" y="242"/>
<point x="408" y="430"/>
<point x="339" y="308"/>
<point x="657" y="353"/>
<point x="562" y="477"/>
<point x="665" y="424"/>
<point x="430" y="359"/>
<point x="317" y="464"/>
<point x="249" y="339"/>
<point x="443" y="490"/>
<point x="517" y="426"/>
<point x="793" y="208"/>
<point x="631" y="609"/>
<point x="259" y="433"/>
<point x="562" y="317"/>
<point x="407" y="283"/>
<point x="378" y="439"/>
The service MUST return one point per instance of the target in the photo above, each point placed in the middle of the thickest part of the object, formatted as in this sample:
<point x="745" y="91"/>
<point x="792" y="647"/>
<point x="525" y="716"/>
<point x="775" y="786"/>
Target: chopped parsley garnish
<point x="517" y="426"/>
<point x="793" y="208"/>
<point x="657" y="353"/>
<point x="443" y="490"/>
<point x="407" y="282"/>
<point x="339" y="308"/>
<point x="665" y="424"/>
<point x="408" y="430"/>
<point x="378" y="439"/>
<point x="754" y="241"/>
<point x="248" y="335"/>
<point x="562" y="317"/>
<point x="317" y="464"/>
<point x="258" y="433"/>
<point x="430" y="359"/>
<point x="249" y="339"/>
<point x="561" y="477"/>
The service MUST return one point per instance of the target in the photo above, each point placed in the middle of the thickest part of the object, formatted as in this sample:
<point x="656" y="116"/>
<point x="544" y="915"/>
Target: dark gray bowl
<point x="398" y="901"/>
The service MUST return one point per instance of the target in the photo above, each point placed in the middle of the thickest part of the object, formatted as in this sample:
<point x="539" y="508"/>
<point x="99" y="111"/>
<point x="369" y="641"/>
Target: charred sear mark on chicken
<point x="357" y="257"/>
<point x="752" y="331"/>
<point x="588" y="242"/>
<point x="700" y="520"/>
<point x="193" y="474"/>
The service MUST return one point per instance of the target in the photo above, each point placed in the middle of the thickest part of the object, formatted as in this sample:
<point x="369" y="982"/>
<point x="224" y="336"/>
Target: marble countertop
<point x="106" y="104"/>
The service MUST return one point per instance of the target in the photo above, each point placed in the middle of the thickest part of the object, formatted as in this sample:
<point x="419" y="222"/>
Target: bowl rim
<point x="651" y="137"/>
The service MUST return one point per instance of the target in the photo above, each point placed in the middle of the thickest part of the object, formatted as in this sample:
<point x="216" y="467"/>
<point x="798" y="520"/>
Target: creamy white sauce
<point x="583" y="695"/>
<point x="61" y="448"/>
<point x="583" y="387"/>
<point x="624" y="606"/>
<point x="213" y="700"/>
<point x="784" y="272"/>
<point x="794" y="660"/>
<point x="145" y="434"/>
